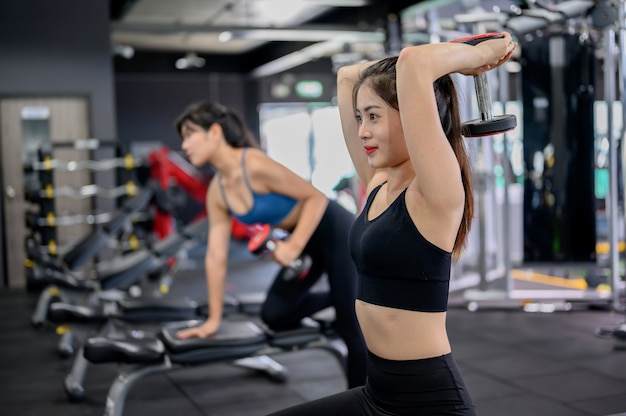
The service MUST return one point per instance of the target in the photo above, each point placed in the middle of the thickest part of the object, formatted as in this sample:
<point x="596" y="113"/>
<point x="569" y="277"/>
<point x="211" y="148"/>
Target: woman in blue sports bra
<point x="254" y="188"/>
<point x="401" y="122"/>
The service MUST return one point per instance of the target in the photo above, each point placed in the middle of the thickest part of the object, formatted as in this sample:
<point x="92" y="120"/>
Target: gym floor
<point x="514" y="363"/>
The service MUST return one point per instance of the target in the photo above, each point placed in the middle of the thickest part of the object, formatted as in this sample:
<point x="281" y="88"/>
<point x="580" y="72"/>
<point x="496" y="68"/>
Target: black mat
<point x="514" y="362"/>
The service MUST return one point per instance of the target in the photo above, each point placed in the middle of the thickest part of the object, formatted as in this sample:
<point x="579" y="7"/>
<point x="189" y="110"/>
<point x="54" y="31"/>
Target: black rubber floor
<point x="514" y="362"/>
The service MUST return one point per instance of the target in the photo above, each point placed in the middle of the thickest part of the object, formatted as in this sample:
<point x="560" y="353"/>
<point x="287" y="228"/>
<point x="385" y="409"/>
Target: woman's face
<point x="197" y="143"/>
<point x="380" y="129"/>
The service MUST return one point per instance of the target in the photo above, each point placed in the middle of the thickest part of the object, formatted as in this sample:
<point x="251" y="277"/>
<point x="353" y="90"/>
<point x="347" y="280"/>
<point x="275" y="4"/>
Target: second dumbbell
<point x="264" y="240"/>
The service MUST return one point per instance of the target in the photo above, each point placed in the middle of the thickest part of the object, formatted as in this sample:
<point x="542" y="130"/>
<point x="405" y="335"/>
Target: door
<point x="24" y="124"/>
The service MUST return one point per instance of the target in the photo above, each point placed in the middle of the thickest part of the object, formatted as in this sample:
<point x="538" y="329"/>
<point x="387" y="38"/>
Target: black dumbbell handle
<point x="263" y="240"/>
<point x="483" y="96"/>
<point x="270" y="245"/>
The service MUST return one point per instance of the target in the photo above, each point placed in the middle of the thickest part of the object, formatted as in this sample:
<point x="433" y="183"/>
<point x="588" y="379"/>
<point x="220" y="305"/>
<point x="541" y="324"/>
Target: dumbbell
<point x="264" y="240"/>
<point x="488" y="124"/>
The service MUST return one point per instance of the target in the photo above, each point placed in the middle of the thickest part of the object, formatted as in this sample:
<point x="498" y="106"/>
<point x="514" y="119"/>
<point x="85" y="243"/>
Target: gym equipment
<point x="87" y="191"/>
<point x="54" y="272"/>
<point x="539" y="15"/>
<point x="39" y="189"/>
<point x="168" y="168"/>
<point x="172" y="171"/>
<point x="85" y="249"/>
<point x="110" y="280"/>
<point x="487" y="124"/>
<point x="609" y="17"/>
<point x="239" y="341"/>
<point x="142" y="313"/>
<point x="617" y="334"/>
<point x="264" y="240"/>
<point x="84" y="312"/>
<point x="529" y="292"/>
<point x="128" y="162"/>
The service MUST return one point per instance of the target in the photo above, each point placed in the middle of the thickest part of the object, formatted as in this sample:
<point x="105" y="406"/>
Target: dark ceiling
<point x="159" y="39"/>
<point x="264" y="37"/>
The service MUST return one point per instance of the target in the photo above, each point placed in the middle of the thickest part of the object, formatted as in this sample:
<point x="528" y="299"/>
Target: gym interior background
<point x="88" y="95"/>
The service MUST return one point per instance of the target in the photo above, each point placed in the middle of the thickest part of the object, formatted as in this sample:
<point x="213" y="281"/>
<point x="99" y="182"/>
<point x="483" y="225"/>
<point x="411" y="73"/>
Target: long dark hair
<point x="206" y="113"/>
<point x="381" y="77"/>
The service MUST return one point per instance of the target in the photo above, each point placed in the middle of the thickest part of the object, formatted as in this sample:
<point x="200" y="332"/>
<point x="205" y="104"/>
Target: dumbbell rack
<point x="44" y="221"/>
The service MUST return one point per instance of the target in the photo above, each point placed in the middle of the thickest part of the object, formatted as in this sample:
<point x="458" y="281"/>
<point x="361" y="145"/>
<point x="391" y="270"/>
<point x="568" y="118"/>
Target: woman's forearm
<point x="438" y="59"/>
<point x="216" y="283"/>
<point x="313" y="209"/>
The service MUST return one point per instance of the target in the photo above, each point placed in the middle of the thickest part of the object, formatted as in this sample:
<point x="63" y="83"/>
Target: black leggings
<point x="427" y="387"/>
<point x="288" y="301"/>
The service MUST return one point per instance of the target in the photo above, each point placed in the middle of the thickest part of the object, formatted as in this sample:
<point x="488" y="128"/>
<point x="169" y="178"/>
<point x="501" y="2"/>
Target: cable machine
<point x="610" y="16"/>
<point x="569" y="18"/>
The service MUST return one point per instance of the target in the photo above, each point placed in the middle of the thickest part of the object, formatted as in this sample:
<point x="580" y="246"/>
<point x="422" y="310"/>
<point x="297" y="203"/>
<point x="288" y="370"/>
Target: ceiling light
<point x="124" y="51"/>
<point x="190" y="60"/>
<point x="225" y="36"/>
<point x="279" y="12"/>
<point x="303" y="35"/>
<point x="297" y="58"/>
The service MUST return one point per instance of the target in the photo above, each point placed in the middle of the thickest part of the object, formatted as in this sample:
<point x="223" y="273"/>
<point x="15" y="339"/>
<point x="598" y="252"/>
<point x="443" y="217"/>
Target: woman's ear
<point x="216" y="130"/>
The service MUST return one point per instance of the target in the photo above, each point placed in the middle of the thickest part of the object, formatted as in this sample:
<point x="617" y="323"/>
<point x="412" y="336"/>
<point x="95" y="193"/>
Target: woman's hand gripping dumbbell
<point x="487" y="124"/>
<point x="264" y="240"/>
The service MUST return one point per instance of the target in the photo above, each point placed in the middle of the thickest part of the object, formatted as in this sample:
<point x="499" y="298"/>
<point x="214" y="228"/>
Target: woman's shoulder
<point x="260" y="167"/>
<point x="255" y="158"/>
<point x="253" y="150"/>
<point x="255" y="155"/>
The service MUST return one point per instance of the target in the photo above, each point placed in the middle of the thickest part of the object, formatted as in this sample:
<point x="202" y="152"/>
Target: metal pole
<point x="621" y="70"/>
<point x="612" y="195"/>
<point x="503" y="85"/>
<point x="487" y="197"/>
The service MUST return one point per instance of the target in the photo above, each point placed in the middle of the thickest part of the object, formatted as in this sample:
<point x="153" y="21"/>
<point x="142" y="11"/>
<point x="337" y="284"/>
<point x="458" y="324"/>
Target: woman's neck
<point x="228" y="161"/>
<point x="399" y="177"/>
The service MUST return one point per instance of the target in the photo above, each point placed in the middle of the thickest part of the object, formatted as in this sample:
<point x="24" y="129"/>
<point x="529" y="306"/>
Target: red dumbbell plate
<point x="257" y="242"/>
<point x="476" y="39"/>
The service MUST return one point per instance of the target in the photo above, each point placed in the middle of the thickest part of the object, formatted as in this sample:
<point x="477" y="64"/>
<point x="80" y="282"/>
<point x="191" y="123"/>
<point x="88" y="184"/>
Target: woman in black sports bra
<point x="401" y="122"/>
<point x="254" y="188"/>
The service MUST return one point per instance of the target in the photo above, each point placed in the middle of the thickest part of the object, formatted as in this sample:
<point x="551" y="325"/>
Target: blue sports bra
<point x="266" y="208"/>
<point x="397" y="266"/>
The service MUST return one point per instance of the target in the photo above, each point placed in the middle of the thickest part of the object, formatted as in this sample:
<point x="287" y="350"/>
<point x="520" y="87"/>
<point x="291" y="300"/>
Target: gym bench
<point x="244" y="342"/>
<point x="111" y="279"/>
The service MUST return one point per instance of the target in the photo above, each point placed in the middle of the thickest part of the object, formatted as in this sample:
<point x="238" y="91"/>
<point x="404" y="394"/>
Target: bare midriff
<point x="397" y="334"/>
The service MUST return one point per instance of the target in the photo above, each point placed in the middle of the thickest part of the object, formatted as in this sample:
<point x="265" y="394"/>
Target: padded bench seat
<point x="109" y="350"/>
<point x="243" y="342"/>
<point x="234" y="339"/>
<point x="142" y="309"/>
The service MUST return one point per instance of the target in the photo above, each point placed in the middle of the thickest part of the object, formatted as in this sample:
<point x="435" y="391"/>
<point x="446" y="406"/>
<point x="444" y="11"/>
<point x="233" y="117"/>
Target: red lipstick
<point x="370" y="149"/>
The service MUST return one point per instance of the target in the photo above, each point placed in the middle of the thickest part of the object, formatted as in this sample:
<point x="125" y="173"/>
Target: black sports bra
<point x="397" y="266"/>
